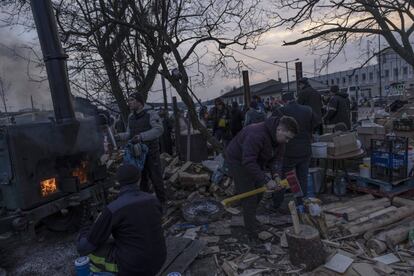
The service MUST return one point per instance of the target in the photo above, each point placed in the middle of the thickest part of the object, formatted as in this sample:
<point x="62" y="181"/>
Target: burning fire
<point x="48" y="187"/>
<point x="81" y="172"/>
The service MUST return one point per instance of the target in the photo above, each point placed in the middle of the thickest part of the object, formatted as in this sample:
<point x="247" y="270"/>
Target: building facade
<point x="396" y="77"/>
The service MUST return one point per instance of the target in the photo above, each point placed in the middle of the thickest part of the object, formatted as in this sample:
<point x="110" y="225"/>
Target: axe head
<point x="294" y="185"/>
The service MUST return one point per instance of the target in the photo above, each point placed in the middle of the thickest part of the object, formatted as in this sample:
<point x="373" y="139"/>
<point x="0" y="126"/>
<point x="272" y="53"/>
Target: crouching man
<point x="255" y="148"/>
<point x="134" y="221"/>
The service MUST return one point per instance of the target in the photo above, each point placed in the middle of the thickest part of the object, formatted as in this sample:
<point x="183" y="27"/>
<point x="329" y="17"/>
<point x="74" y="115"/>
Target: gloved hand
<point x="271" y="185"/>
<point x="136" y="139"/>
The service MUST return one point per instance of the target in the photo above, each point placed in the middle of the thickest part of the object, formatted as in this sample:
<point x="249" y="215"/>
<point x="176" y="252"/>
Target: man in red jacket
<point x="255" y="149"/>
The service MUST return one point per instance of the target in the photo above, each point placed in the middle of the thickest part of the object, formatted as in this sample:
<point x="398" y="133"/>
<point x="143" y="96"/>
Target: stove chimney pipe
<point x="55" y="60"/>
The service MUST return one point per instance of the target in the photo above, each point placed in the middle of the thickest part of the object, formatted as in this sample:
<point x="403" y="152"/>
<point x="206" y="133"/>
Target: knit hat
<point x="334" y="89"/>
<point x="128" y="174"/>
<point x="138" y="97"/>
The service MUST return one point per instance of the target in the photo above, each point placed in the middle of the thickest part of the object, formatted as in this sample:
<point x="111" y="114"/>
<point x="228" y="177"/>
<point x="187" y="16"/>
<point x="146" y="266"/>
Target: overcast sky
<point x="14" y="70"/>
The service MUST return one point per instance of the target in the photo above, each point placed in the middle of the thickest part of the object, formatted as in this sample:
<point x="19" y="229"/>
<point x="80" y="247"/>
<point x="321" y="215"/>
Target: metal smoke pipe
<point x="55" y="60"/>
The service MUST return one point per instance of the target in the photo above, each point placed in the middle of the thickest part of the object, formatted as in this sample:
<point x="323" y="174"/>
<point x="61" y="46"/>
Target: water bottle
<point x="310" y="187"/>
<point x="340" y="184"/>
<point x="82" y="266"/>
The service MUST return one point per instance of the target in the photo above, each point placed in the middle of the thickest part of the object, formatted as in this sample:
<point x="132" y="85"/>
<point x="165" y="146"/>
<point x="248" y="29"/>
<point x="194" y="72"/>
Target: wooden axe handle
<point x="238" y="197"/>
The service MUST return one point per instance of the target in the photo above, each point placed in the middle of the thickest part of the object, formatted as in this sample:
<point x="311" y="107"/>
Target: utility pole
<point x="3" y="96"/>
<point x="287" y="70"/>
<point x="379" y="67"/>
<point x="164" y="92"/>
<point x="31" y="101"/>
<point x="177" y="126"/>
<point x="246" y="86"/>
<point x="299" y="74"/>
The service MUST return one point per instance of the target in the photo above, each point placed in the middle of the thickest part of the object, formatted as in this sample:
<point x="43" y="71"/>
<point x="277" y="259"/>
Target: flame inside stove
<point x="48" y="187"/>
<point x="81" y="172"/>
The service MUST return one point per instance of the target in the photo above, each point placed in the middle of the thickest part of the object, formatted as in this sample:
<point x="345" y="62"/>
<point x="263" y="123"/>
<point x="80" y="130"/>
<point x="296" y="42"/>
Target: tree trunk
<point x="305" y="247"/>
<point x="115" y="85"/>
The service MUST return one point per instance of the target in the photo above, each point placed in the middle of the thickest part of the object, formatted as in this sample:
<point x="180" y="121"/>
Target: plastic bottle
<point x="310" y="187"/>
<point x="82" y="266"/>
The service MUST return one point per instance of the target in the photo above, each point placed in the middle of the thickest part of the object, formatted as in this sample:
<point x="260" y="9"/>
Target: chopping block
<point x="305" y="245"/>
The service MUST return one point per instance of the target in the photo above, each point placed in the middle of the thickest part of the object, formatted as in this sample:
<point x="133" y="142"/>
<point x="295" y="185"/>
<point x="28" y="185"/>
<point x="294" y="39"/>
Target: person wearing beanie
<point x="254" y="114"/>
<point x="145" y="126"/>
<point x="134" y="221"/>
<point x="338" y="109"/>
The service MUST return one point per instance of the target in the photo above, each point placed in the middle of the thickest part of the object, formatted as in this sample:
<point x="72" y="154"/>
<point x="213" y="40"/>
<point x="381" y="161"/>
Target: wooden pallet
<point x="383" y="186"/>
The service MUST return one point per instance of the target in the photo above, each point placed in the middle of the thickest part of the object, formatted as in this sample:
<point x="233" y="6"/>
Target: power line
<point x="264" y="61"/>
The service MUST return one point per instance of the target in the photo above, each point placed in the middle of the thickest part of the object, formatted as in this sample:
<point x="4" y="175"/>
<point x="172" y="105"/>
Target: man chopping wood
<point x="134" y="221"/>
<point x="254" y="149"/>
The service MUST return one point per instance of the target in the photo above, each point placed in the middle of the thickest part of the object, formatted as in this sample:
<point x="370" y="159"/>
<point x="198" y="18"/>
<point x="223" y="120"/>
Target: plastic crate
<point x="389" y="158"/>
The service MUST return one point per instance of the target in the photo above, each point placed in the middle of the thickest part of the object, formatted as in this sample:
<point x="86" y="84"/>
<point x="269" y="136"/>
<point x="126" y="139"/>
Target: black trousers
<point x="244" y="182"/>
<point x="152" y="171"/>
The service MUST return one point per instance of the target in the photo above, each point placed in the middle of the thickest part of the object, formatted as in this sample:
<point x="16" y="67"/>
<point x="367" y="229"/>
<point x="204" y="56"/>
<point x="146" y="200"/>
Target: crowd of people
<point x="262" y="144"/>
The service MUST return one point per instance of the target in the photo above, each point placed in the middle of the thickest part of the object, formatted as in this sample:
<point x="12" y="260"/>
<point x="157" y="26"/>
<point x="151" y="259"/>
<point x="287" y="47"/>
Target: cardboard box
<point x="371" y="128"/>
<point x="343" y="144"/>
<point x="328" y="137"/>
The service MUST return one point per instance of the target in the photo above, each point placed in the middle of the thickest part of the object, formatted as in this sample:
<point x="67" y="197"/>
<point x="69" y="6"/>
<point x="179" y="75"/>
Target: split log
<point x="390" y="237"/>
<point x="371" y="216"/>
<point x="334" y="205"/>
<point x="305" y="247"/>
<point x="193" y="181"/>
<point x="360" y="206"/>
<point x="377" y="245"/>
<point x="382" y="220"/>
<point x="399" y="201"/>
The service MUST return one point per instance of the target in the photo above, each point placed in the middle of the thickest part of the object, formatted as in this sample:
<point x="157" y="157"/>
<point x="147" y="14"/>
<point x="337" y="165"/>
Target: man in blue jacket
<point x="134" y="221"/>
<point x="254" y="150"/>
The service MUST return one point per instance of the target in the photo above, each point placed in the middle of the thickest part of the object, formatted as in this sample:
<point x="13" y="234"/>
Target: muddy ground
<point x="51" y="253"/>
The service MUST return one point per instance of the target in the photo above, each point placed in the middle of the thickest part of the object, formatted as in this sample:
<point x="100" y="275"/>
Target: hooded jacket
<point x="310" y="97"/>
<point x="339" y="110"/>
<point x="300" y="145"/>
<point x="256" y="148"/>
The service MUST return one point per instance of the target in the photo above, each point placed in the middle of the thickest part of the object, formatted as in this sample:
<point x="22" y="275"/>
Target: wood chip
<point x="265" y="235"/>
<point x="339" y="263"/>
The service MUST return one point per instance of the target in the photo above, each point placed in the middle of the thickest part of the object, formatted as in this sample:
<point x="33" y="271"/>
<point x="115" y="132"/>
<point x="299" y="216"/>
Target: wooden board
<point x="184" y="258"/>
<point x="174" y="247"/>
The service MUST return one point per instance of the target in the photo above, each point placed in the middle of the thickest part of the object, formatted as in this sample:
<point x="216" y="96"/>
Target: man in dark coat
<point x="236" y="119"/>
<point x="254" y="115"/>
<point x="309" y="96"/>
<point x="339" y="109"/>
<point x="255" y="149"/>
<point x="134" y="221"/>
<point x="145" y="126"/>
<point x="299" y="150"/>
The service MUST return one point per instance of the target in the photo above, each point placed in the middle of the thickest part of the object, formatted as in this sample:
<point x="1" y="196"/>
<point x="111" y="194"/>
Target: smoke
<point x="22" y="71"/>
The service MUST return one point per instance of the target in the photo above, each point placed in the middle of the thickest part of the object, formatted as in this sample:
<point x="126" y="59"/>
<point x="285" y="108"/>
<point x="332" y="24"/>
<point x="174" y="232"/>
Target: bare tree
<point x="330" y="24"/>
<point x="177" y="33"/>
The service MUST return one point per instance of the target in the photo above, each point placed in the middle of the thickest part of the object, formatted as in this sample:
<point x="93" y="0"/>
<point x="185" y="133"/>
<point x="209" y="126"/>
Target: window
<point x="343" y="80"/>
<point x="364" y="77"/>
<point x="384" y="59"/>
<point x="387" y="73"/>
<point x="332" y="81"/>
<point x="405" y="70"/>
<point x="356" y="78"/>
<point x="396" y="73"/>
<point x="326" y="82"/>
<point x="349" y="79"/>
<point x="371" y="76"/>
<point x="337" y="81"/>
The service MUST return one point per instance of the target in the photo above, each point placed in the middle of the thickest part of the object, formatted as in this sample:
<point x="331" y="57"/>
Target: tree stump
<point x="306" y="247"/>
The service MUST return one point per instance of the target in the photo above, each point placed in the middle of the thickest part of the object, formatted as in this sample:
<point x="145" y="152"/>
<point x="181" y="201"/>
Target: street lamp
<point x="287" y="69"/>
